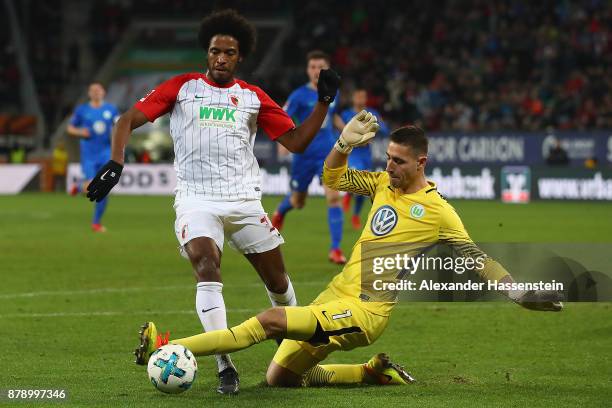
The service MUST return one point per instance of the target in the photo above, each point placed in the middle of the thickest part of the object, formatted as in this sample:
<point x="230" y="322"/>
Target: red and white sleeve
<point x="272" y="118"/>
<point x="161" y="100"/>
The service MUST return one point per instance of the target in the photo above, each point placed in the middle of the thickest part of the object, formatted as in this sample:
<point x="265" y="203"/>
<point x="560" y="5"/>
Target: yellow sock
<point x="335" y="374"/>
<point x="225" y="341"/>
<point x="301" y="325"/>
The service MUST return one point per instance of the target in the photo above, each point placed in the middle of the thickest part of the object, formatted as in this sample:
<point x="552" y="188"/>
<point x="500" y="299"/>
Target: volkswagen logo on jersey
<point x="384" y="220"/>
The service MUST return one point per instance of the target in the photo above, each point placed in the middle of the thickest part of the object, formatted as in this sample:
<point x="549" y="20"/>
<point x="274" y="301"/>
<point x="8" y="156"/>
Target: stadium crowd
<point x="464" y="65"/>
<point x="9" y="72"/>
<point x="471" y="64"/>
<point x="40" y="27"/>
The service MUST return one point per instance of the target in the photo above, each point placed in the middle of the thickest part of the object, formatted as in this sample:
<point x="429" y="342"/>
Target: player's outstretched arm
<point x="540" y="300"/>
<point x="108" y="176"/>
<point x="453" y="233"/>
<point x="127" y="122"/>
<point x="298" y="139"/>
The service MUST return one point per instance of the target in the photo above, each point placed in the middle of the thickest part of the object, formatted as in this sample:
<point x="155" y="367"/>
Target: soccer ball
<point x="172" y="368"/>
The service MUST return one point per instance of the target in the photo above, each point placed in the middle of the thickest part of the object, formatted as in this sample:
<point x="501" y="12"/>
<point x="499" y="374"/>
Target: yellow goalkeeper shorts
<point x="343" y="324"/>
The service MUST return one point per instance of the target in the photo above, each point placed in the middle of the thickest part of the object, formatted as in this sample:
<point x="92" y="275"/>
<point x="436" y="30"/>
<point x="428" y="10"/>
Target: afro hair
<point x="228" y="22"/>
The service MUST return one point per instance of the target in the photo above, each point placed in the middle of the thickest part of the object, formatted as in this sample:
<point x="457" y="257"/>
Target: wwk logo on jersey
<point x="384" y="220"/>
<point x="217" y="117"/>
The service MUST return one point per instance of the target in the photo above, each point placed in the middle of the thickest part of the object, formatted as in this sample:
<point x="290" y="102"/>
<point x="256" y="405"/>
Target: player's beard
<point x="221" y="77"/>
<point x="396" y="182"/>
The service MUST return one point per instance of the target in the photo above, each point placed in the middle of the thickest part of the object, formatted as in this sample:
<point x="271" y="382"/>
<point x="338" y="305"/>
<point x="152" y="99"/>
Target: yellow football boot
<point x="149" y="342"/>
<point x="384" y="372"/>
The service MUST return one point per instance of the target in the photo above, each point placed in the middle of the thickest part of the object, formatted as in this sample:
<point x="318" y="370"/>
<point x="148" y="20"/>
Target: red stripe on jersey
<point x="272" y="118"/>
<point x="161" y="100"/>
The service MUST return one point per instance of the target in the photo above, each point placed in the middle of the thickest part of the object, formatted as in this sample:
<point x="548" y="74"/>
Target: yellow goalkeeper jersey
<point x="421" y="217"/>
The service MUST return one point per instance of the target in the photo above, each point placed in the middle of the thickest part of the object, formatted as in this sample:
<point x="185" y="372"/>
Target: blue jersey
<point x="364" y="151"/>
<point x="299" y="106"/>
<point x="99" y="122"/>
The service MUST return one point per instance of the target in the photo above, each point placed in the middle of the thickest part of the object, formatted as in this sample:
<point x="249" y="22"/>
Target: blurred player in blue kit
<point x="93" y="122"/>
<point x="361" y="158"/>
<point x="307" y="165"/>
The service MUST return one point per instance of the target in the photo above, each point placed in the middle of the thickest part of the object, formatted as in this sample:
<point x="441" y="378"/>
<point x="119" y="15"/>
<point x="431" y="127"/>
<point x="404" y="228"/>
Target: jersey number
<point x="347" y="313"/>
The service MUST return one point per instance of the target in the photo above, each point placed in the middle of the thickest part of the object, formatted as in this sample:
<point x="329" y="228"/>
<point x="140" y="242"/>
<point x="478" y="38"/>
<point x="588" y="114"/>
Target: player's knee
<point x="279" y="284"/>
<point x="332" y="198"/>
<point x="205" y="267"/>
<point x="298" y="203"/>
<point x="278" y="376"/>
<point x="275" y="380"/>
<point x="333" y="201"/>
<point x="274" y="322"/>
<point x="298" y="200"/>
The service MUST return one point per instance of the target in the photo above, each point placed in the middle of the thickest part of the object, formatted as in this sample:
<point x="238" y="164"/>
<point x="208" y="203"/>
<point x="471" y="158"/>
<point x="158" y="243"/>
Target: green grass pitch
<point x="72" y="302"/>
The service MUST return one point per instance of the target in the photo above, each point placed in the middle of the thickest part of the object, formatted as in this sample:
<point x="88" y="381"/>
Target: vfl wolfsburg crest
<point x="384" y="220"/>
<point x="417" y="211"/>
<point x="217" y="117"/>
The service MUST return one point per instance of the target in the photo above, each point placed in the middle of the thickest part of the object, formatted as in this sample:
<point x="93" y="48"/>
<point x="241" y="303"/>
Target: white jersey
<point x="213" y="128"/>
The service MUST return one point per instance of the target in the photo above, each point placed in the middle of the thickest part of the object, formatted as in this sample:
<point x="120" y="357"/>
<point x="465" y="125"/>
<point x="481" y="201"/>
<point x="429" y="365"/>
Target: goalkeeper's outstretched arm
<point x="542" y="300"/>
<point x="453" y="233"/>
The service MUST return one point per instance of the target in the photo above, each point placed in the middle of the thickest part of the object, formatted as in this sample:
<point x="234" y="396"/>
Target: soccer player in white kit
<point x="213" y="122"/>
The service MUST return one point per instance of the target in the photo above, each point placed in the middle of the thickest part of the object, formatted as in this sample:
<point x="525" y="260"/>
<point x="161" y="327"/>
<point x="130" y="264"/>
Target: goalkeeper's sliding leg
<point x="311" y="333"/>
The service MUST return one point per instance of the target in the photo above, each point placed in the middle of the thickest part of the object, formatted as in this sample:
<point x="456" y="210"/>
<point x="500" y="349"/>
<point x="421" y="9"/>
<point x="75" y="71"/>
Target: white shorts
<point x="244" y="223"/>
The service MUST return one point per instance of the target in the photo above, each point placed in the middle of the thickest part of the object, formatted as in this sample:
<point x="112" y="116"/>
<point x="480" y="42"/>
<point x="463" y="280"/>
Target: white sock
<point x="211" y="311"/>
<point x="283" y="299"/>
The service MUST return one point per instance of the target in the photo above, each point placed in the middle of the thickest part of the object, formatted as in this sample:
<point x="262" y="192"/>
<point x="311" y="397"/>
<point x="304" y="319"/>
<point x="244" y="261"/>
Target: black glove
<point x="327" y="87"/>
<point x="104" y="181"/>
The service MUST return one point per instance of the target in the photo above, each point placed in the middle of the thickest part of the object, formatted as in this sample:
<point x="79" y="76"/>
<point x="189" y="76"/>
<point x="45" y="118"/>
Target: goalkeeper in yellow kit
<point x="405" y="208"/>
